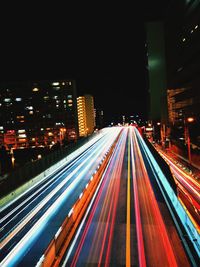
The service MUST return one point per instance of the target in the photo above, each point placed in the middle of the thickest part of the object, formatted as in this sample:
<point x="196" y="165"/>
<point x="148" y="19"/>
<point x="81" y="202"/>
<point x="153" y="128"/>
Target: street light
<point x="187" y="136"/>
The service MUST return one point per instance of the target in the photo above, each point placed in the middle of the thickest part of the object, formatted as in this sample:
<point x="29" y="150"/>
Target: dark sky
<point x="101" y="46"/>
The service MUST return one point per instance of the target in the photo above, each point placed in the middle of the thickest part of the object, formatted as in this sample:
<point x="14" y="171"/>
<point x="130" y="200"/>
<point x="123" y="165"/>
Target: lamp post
<point x="187" y="136"/>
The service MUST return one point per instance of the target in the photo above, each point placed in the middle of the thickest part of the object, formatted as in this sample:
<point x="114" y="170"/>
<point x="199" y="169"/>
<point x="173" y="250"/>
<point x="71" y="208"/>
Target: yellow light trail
<point x="128" y="217"/>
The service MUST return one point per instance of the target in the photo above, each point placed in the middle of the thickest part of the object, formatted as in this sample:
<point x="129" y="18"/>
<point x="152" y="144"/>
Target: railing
<point x="31" y="169"/>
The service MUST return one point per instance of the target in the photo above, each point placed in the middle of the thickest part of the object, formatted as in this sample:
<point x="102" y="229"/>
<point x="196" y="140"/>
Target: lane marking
<point x="128" y="213"/>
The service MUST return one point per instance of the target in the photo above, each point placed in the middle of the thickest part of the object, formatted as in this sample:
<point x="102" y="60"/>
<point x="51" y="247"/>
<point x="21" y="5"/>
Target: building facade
<point x="182" y="38"/>
<point x="38" y="113"/>
<point x="157" y="71"/>
<point x="86" y="114"/>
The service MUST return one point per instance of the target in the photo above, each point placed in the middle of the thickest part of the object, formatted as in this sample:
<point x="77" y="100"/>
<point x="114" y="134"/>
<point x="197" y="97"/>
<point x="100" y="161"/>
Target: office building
<point x="86" y="114"/>
<point x="157" y="71"/>
<point x="99" y="118"/>
<point x="38" y="113"/>
<point x="182" y="39"/>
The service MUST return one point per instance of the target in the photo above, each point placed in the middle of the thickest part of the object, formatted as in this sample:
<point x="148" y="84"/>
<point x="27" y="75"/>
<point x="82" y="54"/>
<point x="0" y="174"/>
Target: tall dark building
<point x="173" y="45"/>
<point x="182" y="41"/>
<point x="38" y="113"/>
<point x="157" y="71"/>
<point x="99" y="118"/>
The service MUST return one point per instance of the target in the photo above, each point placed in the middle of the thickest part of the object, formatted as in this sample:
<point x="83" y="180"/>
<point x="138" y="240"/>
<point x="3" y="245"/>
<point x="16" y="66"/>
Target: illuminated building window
<point x="22" y="135"/>
<point x="21" y="131"/>
<point x="29" y="108"/>
<point x="69" y="96"/>
<point x="35" y="89"/>
<point x="55" y="83"/>
<point x="7" y="100"/>
<point x="20" y="117"/>
<point x="18" y="99"/>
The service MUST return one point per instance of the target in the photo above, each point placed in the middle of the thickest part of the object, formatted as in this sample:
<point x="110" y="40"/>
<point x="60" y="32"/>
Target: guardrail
<point x="30" y="170"/>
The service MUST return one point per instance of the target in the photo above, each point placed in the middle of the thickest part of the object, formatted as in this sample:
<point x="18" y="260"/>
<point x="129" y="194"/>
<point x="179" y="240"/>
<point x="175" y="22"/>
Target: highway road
<point x="29" y="223"/>
<point x="127" y="222"/>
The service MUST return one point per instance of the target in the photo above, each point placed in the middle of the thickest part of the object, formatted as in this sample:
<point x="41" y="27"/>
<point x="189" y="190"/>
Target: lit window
<point x="183" y="39"/>
<point x="31" y="112"/>
<point x="55" y="83"/>
<point x="20" y="117"/>
<point x="29" y="108"/>
<point x="35" y="89"/>
<point x="196" y="27"/>
<point x="7" y="100"/>
<point x="18" y="99"/>
<point x="69" y="96"/>
<point x="22" y="135"/>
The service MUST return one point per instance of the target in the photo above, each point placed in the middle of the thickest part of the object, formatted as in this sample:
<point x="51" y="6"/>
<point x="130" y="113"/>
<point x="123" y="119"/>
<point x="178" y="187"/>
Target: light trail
<point x="30" y="235"/>
<point x="103" y="234"/>
<point x="141" y="250"/>
<point x="49" y="197"/>
<point x="184" y="178"/>
<point x="154" y="218"/>
<point x="128" y="213"/>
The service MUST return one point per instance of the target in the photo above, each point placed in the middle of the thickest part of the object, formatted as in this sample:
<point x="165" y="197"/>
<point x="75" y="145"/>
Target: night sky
<point x="101" y="46"/>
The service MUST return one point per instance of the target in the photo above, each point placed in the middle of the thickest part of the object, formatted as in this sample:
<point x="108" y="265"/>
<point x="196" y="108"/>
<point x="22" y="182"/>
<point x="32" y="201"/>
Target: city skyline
<point x="105" y="54"/>
<point x="100" y="134"/>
